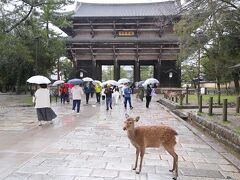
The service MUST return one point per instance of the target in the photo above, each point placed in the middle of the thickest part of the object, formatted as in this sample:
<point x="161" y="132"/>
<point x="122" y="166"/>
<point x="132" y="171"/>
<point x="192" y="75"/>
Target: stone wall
<point x="224" y="135"/>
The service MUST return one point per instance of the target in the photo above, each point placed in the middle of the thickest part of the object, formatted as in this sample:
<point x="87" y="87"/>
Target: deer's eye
<point x="130" y="122"/>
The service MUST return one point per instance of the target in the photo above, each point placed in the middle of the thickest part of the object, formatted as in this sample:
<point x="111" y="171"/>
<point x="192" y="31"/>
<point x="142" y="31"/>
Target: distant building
<point x="126" y="34"/>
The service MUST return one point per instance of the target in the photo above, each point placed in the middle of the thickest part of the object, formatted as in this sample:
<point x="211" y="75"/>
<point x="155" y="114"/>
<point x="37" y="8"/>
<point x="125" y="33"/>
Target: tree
<point x="146" y="72"/>
<point x="28" y="46"/>
<point x="107" y="73"/>
<point x="219" y="24"/>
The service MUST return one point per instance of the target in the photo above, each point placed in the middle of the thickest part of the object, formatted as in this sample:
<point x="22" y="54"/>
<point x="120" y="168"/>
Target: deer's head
<point x="129" y="122"/>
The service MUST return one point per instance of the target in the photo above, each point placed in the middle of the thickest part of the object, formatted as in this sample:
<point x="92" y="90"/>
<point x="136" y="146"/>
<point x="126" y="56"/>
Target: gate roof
<point x="166" y="8"/>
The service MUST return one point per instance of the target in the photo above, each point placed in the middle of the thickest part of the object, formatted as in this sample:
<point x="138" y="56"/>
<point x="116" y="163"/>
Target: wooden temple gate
<point x="125" y="34"/>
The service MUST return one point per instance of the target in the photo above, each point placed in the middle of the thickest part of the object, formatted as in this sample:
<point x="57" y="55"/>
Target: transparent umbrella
<point x="87" y="79"/>
<point x="123" y="81"/>
<point x="58" y="82"/>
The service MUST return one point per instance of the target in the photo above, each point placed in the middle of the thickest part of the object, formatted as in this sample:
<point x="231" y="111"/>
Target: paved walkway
<point x="93" y="146"/>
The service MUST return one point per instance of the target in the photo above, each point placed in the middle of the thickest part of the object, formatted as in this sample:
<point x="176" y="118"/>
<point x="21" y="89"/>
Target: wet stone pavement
<point x="93" y="146"/>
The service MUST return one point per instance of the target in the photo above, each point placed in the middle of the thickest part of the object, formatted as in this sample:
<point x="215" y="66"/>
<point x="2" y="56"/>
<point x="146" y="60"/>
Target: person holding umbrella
<point x="87" y="91"/>
<point x="77" y="93"/>
<point x="148" y="95"/>
<point x="108" y="91"/>
<point x="98" y="90"/>
<point x="42" y="104"/>
<point x="127" y="96"/>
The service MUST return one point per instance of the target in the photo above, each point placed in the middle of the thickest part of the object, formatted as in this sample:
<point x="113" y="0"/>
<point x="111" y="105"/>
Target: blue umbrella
<point x="75" y="81"/>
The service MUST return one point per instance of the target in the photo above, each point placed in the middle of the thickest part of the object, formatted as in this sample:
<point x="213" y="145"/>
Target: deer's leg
<point x="171" y="151"/>
<point x="142" y="151"/>
<point x="136" y="162"/>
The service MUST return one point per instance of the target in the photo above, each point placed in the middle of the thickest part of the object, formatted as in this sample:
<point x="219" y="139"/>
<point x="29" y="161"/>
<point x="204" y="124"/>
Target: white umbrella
<point x="112" y="82"/>
<point x="123" y="81"/>
<point x="38" y="80"/>
<point x="150" y="81"/>
<point x="96" y="82"/>
<point x="87" y="79"/>
<point x="58" y="82"/>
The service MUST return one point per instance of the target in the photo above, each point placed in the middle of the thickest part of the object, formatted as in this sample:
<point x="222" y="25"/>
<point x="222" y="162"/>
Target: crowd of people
<point x="108" y="93"/>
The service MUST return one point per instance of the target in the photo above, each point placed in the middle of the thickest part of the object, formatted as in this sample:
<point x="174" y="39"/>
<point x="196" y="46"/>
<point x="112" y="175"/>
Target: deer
<point x="142" y="137"/>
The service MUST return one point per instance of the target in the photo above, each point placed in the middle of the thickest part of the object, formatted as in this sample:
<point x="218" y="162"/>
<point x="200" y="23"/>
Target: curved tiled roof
<point x="166" y="8"/>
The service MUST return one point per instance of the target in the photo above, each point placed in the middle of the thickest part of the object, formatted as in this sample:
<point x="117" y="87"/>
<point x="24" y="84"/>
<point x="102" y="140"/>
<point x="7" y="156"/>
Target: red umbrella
<point x="68" y="85"/>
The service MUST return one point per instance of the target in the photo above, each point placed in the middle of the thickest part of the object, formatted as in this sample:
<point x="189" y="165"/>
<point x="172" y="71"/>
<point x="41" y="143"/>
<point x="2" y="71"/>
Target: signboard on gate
<point x="126" y="33"/>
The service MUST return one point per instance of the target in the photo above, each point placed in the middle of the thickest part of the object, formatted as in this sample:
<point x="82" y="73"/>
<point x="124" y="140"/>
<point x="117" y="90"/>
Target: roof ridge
<point x="106" y="4"/>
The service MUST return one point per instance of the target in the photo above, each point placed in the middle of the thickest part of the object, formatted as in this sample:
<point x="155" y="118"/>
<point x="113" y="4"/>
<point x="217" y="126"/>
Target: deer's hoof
<point x="174" y="178"/>
<point x="171" y="170"/>
<point x="137" y="172"/>
<point x="134" y="169"/>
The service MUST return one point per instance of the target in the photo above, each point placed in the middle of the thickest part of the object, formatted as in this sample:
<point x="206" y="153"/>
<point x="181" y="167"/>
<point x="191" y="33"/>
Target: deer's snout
<point x="124" y="128"/>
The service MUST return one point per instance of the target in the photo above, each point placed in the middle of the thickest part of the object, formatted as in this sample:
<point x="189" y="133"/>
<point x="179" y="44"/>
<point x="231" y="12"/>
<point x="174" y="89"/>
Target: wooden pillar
<point x="116" y="70"/>
<point x="137" y="67"/>
<point x="158" y="69"/>
<point x="94" y="69"/>
<point x="136" y="71"/>
<point x="94" y="64"/>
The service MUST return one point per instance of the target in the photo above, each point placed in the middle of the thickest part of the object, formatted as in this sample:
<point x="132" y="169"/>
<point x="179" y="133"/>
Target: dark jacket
<point x="148" y="91"/>
<point x="87" y="89"/>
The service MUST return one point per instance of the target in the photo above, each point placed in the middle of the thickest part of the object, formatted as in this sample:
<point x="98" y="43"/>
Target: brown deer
<point x="151" y="136"/>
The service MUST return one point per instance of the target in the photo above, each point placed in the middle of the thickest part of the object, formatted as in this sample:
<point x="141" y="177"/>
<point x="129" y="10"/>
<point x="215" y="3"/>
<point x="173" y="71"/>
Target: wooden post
<point x="187" y="94"/>
<point x="238" y="104"/>
<point x="210" y="106"/>
<point x="200" y="104"/>
<point x="225" y="110"/>
<point x="181" y="99"/>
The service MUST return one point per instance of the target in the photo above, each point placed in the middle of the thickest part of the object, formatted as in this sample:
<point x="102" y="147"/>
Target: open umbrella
<point x="96" y="82"/>
<point x="123" y="81"/>
<point x="87" y="79"/>
<point x="38" y="79"/>
<point x="58" y="82"/>
<point x="68" y="85"/>
<point x="140" y="83"/>
<point x="150" y="81"/>
<point x="75" y="81"/>
<point x="112" y="82"/>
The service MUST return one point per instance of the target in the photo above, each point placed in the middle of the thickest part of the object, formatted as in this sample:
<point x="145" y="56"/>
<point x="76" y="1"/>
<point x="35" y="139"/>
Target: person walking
<point x="148" y="95"/>
<point x="116" y="95"/>
<point x="77" y="93"/>
<point x="92" y="89"/>
<point x="87" y="91"/>
<point x="98" y="90"/>
<point x="141" y="93"/>
<point x="127" y="97"/>
<point x="108" y="91"/>
<point x="42" y="104"/>
<point x="63" y="93"/>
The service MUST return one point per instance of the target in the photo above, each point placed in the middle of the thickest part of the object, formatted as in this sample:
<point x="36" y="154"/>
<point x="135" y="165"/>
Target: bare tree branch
<point x="19" y="22"/>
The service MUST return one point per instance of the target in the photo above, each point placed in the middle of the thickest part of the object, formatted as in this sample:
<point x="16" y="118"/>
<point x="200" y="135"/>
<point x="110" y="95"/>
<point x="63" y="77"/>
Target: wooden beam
<point x="123" y="48"/>
<point x="117" y="23"/>
<point x="112" y="30"/>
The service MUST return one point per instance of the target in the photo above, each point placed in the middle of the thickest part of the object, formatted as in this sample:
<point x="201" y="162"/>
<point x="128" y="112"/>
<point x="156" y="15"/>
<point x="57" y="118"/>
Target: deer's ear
<point x="137" y="118"/>
<point x="126" y="115"/>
